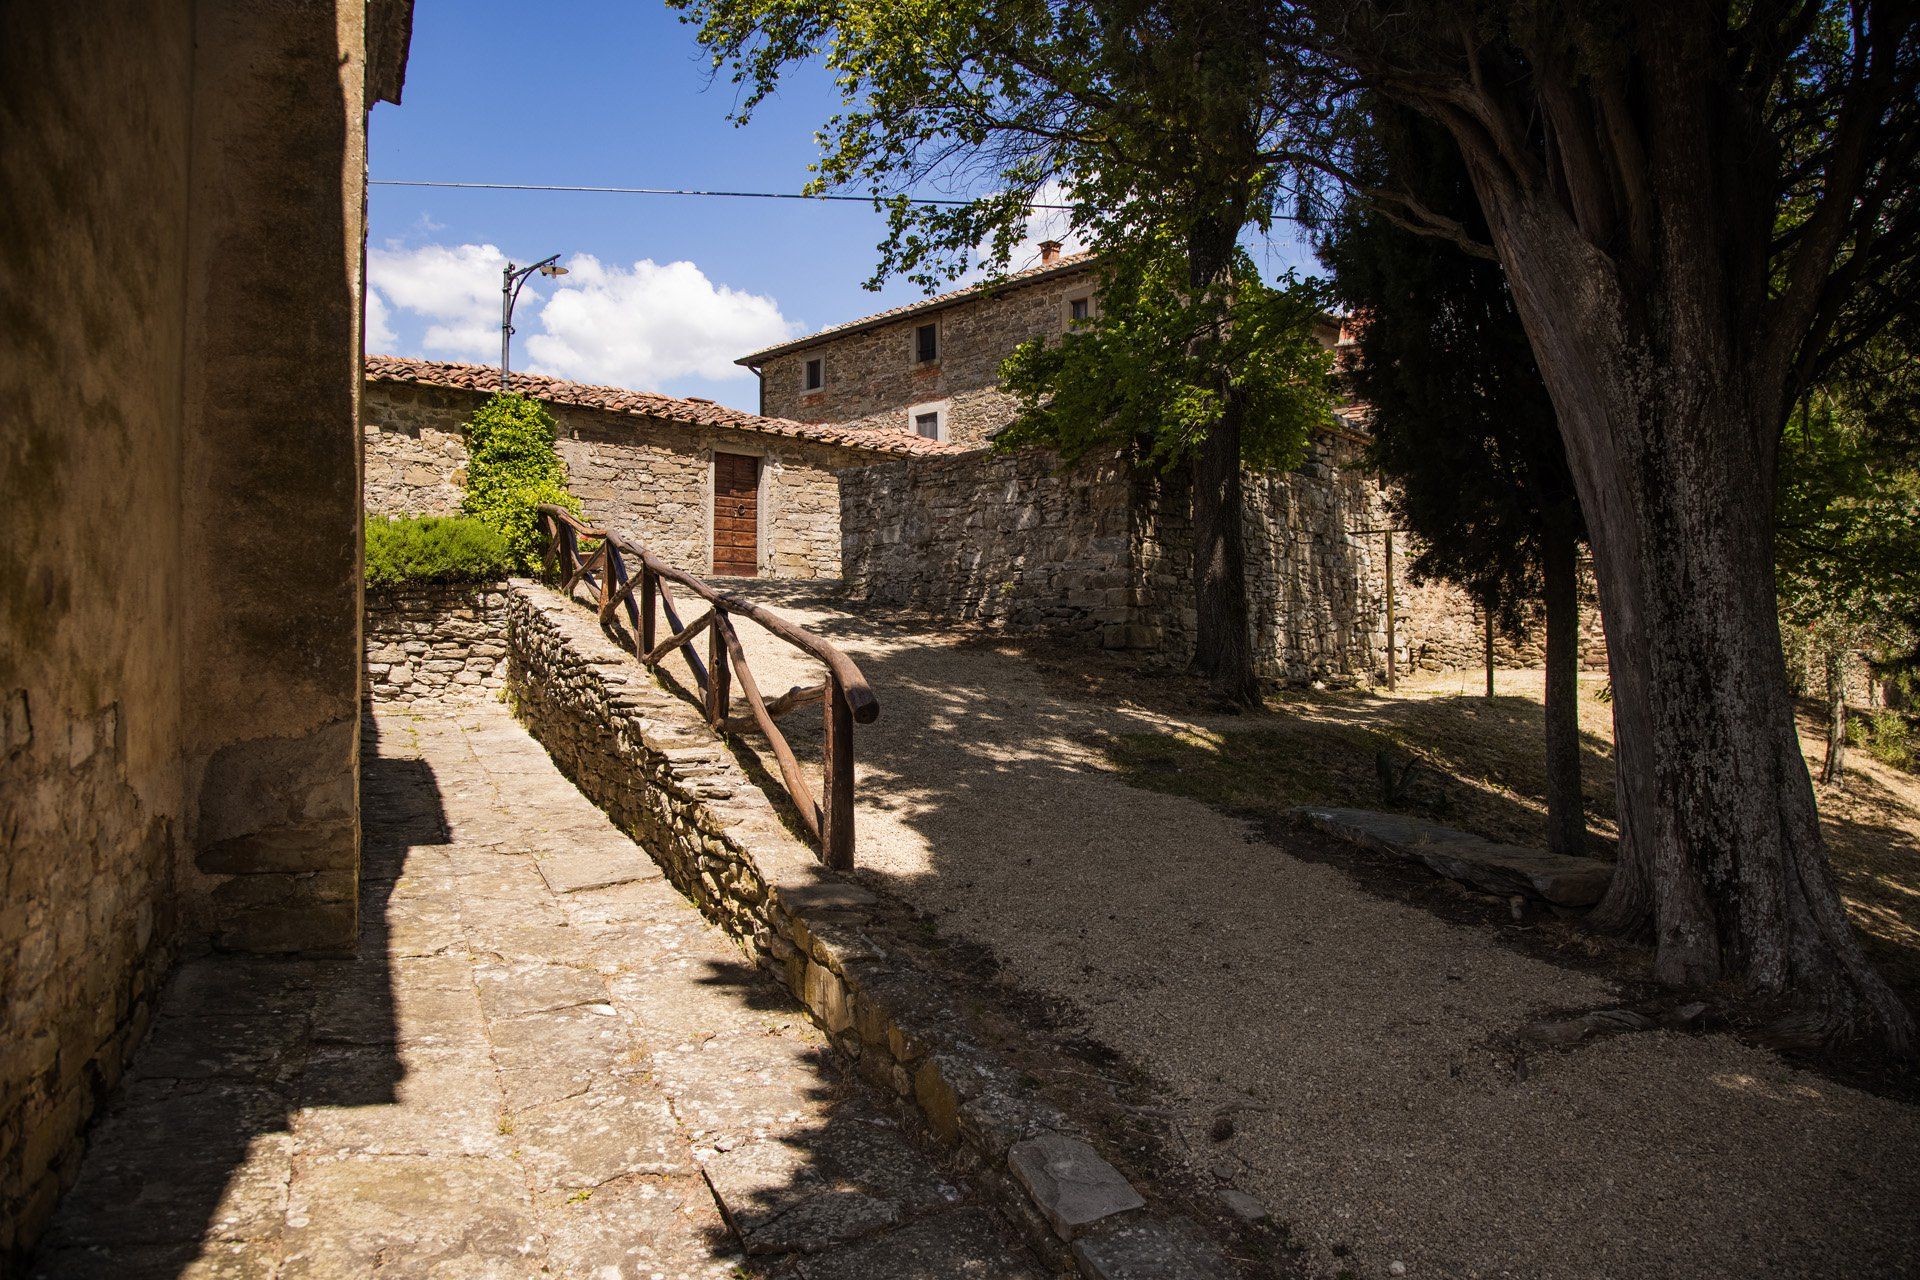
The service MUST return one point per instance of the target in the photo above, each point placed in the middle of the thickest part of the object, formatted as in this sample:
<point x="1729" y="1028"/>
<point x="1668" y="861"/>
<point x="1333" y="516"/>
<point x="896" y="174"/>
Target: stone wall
<point x="1010" y="541"/>
<point x="179" y="646"/>
<point x="647" y="758"/>
<point x="1019" y="543"/>
<point x="872" y="379"/>
<point x="1438" y="627"/>
<point x="652" y="478"/>
<point x="436" y="640"/>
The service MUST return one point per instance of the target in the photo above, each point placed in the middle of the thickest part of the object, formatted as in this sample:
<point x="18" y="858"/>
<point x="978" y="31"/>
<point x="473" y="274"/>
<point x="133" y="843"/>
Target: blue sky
<point x="665" y="292"/>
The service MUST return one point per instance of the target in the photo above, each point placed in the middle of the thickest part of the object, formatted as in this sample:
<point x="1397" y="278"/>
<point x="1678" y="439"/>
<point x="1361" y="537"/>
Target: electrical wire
<point x="670" y="191"/>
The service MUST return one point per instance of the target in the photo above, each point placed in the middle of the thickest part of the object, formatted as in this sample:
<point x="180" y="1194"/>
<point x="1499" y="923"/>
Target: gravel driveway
<point x="1352" y="1039"/>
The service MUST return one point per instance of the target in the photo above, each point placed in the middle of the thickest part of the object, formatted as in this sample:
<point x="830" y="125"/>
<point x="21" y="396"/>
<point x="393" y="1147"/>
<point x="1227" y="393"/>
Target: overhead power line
<point x="669" y="191"/>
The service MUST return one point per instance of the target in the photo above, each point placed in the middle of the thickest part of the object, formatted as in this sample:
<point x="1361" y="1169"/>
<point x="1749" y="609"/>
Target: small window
<point x="1077" y="310"/>
<point x="926" y="344"/>
<point x="929" y="420"/>
<point x="816" y="377"/>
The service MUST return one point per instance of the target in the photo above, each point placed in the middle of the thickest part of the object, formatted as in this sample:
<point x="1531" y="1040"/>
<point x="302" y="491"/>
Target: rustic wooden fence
<point x="605" y="568"/>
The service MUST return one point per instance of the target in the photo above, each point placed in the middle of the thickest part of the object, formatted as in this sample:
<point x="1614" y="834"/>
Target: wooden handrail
<point x="848" y="698"/>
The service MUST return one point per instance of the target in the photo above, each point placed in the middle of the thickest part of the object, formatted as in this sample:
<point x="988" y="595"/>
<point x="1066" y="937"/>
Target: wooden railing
<point x="845" y="692"/>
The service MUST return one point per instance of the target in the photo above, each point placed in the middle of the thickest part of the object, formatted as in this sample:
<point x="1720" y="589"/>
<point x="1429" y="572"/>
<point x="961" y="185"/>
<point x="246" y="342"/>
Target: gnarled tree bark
<point x="1566" y="808"/>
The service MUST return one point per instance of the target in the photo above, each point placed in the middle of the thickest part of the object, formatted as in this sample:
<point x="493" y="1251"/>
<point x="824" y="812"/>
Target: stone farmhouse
<point x="933" y="366"/>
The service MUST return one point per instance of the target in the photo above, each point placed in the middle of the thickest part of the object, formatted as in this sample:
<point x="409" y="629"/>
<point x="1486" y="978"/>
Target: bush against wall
<point x="410" y="549"/>
<point x="513" y="468"/>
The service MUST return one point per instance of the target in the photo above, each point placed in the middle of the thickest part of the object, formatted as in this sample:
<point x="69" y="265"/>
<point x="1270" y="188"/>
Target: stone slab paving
<point x="542" y="1062"/>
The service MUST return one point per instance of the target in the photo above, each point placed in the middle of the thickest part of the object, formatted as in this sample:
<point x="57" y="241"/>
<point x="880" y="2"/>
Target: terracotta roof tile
<point x="1063" y="265"/>
<point x="691" y="410"/>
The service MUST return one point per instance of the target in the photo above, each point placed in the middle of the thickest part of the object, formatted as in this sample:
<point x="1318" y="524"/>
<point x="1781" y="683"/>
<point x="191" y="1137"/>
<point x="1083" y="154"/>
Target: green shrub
<point x="512" y="469"/>
<point x="1891" y="740"/>
<point x="432" y="549"/>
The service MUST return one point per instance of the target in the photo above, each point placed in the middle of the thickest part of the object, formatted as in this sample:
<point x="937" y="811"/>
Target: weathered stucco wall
<point x="651" y="478"/>
<point x="872" y="379"/>
<point x="178" y="337"/>
<point x="271" y="547"/>
<point x="94" y="221"/>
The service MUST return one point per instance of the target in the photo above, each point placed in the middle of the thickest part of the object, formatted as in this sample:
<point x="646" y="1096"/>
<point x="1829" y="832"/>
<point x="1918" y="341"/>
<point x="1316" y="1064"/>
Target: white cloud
<point x="640" y="326"/>
<point x="643" y="325"/>
<point x="380" y="337"/>
<point x="1047" y="224"/>
<point x="455" y="288"/>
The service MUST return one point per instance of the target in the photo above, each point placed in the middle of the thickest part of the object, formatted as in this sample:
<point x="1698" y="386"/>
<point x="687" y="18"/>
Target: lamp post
<point x="512" y="278"/>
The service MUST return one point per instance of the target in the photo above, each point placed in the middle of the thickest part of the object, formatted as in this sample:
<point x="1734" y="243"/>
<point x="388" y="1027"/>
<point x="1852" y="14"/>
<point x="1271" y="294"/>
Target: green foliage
<point x="512" y="469"/>
<point x="1847" y="546"/>
<point x="412" y="549"/>
<point x="1891" y="740"/>
<point x="1462" y="422"/>
<point x="1153" y="367"/>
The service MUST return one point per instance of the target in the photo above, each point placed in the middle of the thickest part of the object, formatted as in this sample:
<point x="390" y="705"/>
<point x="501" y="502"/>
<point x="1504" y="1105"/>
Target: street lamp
<point x="511" y="280"/>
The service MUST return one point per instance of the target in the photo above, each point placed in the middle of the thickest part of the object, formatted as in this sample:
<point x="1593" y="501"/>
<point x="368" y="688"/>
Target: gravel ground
<point x="1351" y="1039"/>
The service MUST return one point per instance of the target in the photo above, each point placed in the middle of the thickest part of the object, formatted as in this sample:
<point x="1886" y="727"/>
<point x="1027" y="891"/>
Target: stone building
<point x="933" y="367"/>
<point x="709" y="489"/>
<point x="180" y="309"/>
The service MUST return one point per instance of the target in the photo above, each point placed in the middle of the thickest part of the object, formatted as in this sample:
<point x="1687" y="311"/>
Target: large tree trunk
<point x="1223" y="646"/>
<point x="1223" y="641"/>
<point x="1566" y="811"/>
<point x="1674" y="458"/>
<point x="1836" y="758"/>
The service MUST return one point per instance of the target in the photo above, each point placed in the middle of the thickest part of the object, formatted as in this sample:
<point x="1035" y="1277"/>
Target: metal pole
<point x="506" y="320"/>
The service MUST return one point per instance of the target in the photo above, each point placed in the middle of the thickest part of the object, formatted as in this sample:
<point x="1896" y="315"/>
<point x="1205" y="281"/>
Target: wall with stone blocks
<point x="650" y="478"/>
<point x="872" y="380"/>
<point x="1010" y="541"/>
<point x="649" y="760"/>
<point x="1020" y="543"/>
<point x="436" y="640"/>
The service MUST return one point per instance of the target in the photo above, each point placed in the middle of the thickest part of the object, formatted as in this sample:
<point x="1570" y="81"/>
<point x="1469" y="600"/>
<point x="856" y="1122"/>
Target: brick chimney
<point x="1049" y="251"/>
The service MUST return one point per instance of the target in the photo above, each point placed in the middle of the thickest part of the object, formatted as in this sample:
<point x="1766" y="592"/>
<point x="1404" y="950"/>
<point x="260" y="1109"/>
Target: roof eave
<point x="985" y="289"/>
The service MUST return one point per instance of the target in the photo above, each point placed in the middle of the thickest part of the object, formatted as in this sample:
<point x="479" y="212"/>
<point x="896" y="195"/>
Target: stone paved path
<point x="543" y="1062"/>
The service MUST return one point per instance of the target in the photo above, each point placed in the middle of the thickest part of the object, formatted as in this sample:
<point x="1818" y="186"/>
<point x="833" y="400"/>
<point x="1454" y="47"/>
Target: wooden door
<point x="736" y="515"/>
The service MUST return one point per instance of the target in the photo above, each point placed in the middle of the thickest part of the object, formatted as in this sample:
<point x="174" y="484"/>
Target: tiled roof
<point x="1066" y="264"/>
<point x="690" y="410"/>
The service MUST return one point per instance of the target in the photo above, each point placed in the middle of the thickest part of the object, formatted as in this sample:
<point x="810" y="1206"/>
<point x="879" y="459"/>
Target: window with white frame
<point x="929" y="420"/>
<point x="814" y="375"/>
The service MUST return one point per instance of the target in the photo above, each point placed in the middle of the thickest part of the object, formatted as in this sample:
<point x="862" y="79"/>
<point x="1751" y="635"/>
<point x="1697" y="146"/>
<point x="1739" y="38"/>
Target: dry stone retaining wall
<point x="1016" y="541"/>
<point x="1020" y="542"/>
<point x="647" y="759"/>
<point x="436" y="640"/>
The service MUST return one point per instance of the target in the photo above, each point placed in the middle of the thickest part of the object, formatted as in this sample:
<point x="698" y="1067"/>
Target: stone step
<point x="1488" y="865"/>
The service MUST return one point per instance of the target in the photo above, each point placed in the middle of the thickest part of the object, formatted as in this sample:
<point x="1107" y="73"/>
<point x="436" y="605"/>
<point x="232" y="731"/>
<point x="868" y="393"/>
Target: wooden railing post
<point x="647" y="591"/>
<point x="836" y="810"/>
<point x="549" y="544"/>
<point x="719" y="674"/>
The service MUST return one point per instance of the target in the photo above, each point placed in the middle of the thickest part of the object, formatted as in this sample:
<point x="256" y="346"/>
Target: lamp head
<point x="553" y="269"/>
